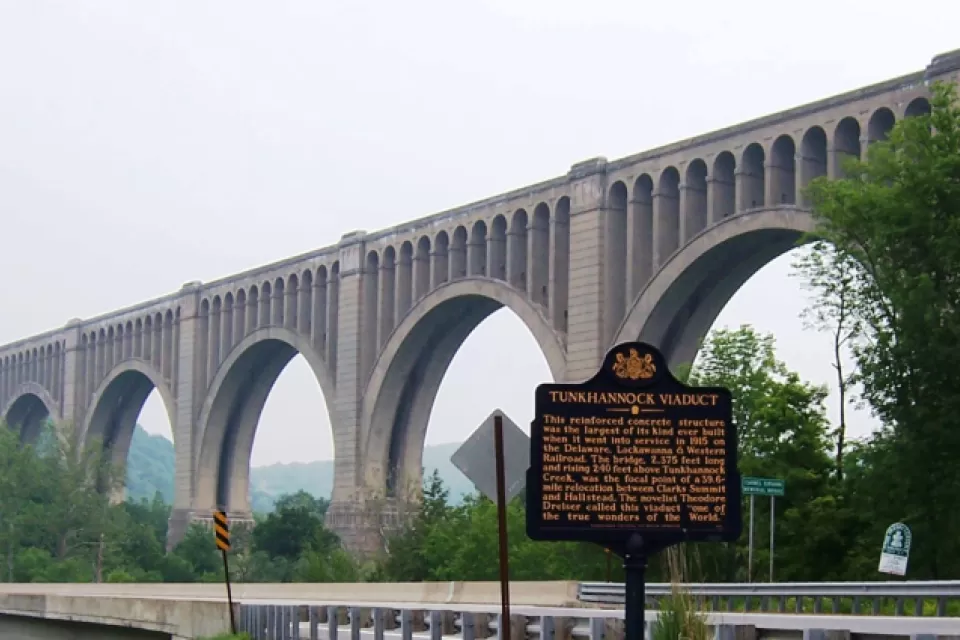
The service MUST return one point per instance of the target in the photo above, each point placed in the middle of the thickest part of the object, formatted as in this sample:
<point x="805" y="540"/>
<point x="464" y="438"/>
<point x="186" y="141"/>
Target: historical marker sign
<point x="896" y="549"/>
<point x="633" y="453"/>
<point x="476" y="458"/>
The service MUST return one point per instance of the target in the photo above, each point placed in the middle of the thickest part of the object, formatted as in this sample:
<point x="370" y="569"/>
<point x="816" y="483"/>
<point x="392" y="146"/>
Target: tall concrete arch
<point x="401" y="391"/>
<point x="116" y="404"/>
<point x="681" y="302"/>
<point x="231" y="410"/>
<point x="28" y="410"/>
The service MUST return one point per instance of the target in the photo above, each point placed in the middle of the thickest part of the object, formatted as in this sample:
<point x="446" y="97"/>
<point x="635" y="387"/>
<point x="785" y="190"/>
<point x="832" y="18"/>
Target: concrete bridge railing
<point x="467" y="610"/>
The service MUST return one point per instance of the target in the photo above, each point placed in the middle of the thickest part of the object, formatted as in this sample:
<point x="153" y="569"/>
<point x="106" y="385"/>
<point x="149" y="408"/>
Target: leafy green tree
<point x="782" y="433"/>
<point x="198" y="551"/>
<point x="291" y="530"/>
<point x="835" y="278"/>
<point x="317" y="507"/>
<point x="898" y="216"/>
<point x="18" y="475"/>
<point x="407" y="551"/>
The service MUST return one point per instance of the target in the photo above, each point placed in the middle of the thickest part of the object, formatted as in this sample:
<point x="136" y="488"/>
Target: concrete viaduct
<point x="651" y="246"/>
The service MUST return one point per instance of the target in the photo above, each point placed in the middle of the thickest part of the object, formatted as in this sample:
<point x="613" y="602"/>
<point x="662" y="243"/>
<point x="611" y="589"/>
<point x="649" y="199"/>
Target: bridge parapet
<point x="80" y="616"/>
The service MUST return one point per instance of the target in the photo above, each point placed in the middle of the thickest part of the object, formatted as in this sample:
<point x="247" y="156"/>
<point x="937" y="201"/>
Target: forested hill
<point x="150" y="469"/>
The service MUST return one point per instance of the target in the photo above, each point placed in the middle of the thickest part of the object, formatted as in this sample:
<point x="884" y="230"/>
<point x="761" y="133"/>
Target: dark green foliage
<point x="896" y="222"/>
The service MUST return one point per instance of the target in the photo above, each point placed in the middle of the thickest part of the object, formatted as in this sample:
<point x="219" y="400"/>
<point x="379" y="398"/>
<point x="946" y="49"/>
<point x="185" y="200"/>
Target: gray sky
<point x="144" y="144"/>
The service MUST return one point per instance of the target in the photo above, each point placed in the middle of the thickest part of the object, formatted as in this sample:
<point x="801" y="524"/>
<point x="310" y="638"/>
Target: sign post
<point x="896" y="549"/>
<point x="494" y="438"/>
<point x="502" y="528"/>
<point x="221" y="529"/>
<point x="635" y="461"/>
<point x="754" y="487"/>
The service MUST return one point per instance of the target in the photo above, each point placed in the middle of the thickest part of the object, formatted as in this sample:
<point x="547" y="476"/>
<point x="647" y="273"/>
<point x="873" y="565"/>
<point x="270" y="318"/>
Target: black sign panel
<point x="633" y="452"/>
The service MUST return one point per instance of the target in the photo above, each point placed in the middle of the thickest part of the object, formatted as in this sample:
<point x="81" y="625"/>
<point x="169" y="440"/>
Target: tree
<point x="898" y="216"/>
<point x="292" y="529"/>
<point x="781" y="428"/>
<point x="80" y="481"/>
<point x="17" y="477"/>
<point x="406" y="549"/>
<point x="302" y="500"/>
<point x="835" y="278"/>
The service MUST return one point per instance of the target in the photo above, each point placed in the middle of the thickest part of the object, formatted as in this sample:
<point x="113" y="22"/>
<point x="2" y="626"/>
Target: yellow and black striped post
<point x="221" y="529"/>
<point x="221" y="532"/>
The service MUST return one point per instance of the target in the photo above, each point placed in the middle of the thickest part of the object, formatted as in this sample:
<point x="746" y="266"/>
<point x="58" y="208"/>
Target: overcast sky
<point x="144" y="144"/>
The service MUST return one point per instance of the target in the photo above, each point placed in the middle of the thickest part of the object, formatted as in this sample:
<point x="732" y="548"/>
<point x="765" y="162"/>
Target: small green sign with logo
<point x="895" y="551"/>
<point x="762" y="486"/>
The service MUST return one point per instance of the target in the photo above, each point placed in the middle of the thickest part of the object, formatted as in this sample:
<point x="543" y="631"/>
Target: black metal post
<point x="226" y="577"/>
<point x="502" y="528"/>
<point x="635" y="566"/>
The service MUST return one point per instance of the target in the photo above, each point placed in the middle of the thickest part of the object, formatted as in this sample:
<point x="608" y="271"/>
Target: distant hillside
<point x="150" y="469"/>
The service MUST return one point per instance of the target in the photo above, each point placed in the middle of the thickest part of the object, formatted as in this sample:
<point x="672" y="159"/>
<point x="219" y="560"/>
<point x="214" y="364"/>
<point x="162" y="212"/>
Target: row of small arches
<point x="650" y="222"/>
<point x="153" y="339"/>
<point x="41" y="365"/>
<point x="519" y="248"/>
<point x="306" y="302"/>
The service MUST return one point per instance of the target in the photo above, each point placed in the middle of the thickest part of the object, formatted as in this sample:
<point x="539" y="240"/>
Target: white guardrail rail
<point x="927" y="598"/>
<point x="266" y="620"/>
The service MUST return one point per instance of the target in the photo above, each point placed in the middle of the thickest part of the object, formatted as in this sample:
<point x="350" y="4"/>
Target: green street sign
<point x="762" y="486"/>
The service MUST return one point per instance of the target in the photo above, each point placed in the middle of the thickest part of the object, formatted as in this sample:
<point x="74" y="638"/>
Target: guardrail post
<point x="547" y="631"/>
<point x="476" y="624"/>
<point x="467" y="622"/>
<point x="556" y="628"/>
<point x="447" y="625"/>
<point x="598" y="628"/>
<point x="278" y="632"/>
<point x="295" y="623"/>
<point x="406" y="624"/>
<point x="333" y="623"/>
<point x="313" y="620"/>
<point x="259" y="623"/>
<point x="355" y="623"/>
<point x="383" y="620"/>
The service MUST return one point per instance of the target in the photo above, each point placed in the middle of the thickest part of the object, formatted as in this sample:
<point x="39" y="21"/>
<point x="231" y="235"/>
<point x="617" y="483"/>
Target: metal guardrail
<point x="274" y="620"/>
<point x="926" y="598"/>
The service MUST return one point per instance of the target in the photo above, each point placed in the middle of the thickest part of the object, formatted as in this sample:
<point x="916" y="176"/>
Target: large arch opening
<point x="682" y="301"/>
<point x="236" y="405"/>
<point x="293" y="446"/>
<point x="29" y="413"/>
<point x="740" y="272"/>
<point x="130" y="416"/>
<point x="401" y="396"/>
<point x="151" y="457"/>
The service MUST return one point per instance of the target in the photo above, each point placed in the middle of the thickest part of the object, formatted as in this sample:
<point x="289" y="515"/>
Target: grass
<point x="680" y="615"/>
